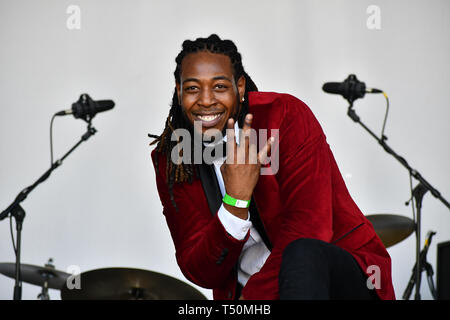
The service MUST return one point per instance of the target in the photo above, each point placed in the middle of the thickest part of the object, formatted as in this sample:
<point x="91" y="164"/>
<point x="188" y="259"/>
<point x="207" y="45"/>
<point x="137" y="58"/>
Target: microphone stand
<point x="425" y="266"/>
<point x="18" y="213"/>
<point x="418" y="193"/>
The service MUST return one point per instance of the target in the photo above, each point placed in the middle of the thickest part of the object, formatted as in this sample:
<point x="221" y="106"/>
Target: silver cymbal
<point x="36" y="275"/>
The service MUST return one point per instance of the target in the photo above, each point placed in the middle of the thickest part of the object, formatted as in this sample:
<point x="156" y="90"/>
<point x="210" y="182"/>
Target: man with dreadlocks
<point x="292" y="234"/>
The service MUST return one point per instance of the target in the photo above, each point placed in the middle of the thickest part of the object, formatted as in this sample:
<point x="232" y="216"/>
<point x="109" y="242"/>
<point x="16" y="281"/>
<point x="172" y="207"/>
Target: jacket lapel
<point x="257" y="223"/>
<point x="210" y="186"/>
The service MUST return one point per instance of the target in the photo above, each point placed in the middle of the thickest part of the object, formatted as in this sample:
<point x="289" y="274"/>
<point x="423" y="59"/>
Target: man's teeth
<point x="209" y="117"/>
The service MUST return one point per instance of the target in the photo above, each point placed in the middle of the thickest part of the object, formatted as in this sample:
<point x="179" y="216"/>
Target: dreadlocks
<point x="177" y="173"/>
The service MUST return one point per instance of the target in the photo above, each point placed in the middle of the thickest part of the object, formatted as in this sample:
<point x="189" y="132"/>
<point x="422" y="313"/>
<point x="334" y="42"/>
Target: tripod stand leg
<point x="429" y="270"/>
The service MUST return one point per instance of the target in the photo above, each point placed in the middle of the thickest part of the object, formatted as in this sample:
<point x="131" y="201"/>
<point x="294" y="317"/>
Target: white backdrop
<point x="101" y="209"/>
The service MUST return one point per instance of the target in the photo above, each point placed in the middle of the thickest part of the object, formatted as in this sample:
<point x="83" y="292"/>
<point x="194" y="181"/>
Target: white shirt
<point x="254" y="253"/>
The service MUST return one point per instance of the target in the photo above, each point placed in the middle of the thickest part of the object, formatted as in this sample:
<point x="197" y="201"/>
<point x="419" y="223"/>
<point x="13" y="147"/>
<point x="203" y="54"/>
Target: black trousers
<point x="312" y="269"/>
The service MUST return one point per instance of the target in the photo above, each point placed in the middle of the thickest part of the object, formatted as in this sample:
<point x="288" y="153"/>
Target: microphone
<point x="86" y="108"/>
<point x="351" y="88"/>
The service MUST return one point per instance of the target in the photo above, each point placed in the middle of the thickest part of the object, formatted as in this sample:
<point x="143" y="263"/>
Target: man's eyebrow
<point x="190" y="79"/>
<point x="222" y="78"/>
<point x="215" y="78"/>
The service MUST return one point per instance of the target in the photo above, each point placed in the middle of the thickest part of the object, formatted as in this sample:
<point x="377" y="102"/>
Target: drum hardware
<point x="105" y="284"/>
<point x="46" y="275"/>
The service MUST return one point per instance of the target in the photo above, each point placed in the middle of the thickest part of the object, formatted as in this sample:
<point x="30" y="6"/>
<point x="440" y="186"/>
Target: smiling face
<point x="207" y="90"/>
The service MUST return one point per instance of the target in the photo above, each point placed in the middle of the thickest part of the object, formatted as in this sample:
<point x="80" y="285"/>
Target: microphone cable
<point x="51" y="140"/>
<point x="383" y="137"/>
<point x="12" y="234"/>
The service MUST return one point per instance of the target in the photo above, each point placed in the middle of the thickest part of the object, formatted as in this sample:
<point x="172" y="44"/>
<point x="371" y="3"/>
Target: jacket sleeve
<point x="205" y="252"/>
<point x="304" y="178"/>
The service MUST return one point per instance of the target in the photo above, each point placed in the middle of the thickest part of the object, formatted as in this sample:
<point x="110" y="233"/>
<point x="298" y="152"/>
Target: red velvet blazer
<point x="306" y="198"/>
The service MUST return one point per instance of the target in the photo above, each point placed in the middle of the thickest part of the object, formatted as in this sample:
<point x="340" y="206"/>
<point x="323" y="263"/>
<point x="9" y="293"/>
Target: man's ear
<point x="241" y="87"/>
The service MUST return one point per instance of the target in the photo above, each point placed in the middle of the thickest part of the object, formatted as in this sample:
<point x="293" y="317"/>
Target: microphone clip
<point x="84" y="108"/>
<point x="353" y="89"/>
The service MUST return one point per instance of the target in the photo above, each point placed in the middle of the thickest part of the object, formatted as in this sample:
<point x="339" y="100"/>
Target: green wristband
<point x="235" y="202"/>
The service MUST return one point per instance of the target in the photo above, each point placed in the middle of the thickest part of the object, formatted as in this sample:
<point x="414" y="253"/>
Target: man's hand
<point x="241" y="168"/>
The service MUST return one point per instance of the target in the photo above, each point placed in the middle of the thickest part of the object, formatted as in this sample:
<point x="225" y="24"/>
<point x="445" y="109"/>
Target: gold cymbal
<point x="129" y="284"/>
<point x="391" y="228"/>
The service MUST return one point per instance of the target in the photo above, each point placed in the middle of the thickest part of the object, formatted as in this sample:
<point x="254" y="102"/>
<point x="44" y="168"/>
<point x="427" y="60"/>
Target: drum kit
<point x="138" y="284"/>
<point x="105" y="284"/>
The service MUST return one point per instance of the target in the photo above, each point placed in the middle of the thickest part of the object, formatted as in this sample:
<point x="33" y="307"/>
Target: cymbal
<point x="130" y="284"/>
<point x="391" y="228"/>
<point x="36" y="275"/>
